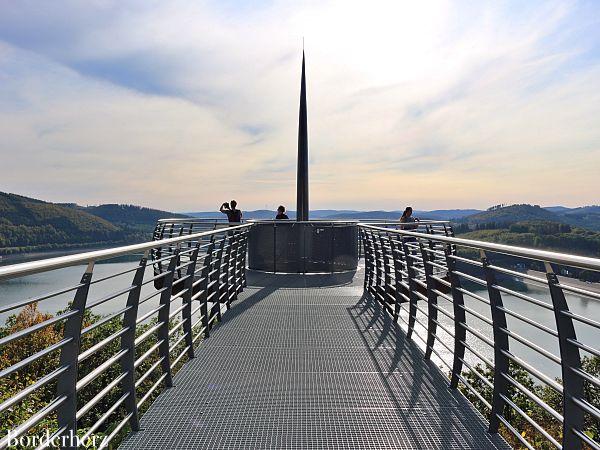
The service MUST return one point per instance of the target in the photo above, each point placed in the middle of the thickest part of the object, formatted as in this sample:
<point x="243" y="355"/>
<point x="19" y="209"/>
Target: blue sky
<point x="183" y="104"/>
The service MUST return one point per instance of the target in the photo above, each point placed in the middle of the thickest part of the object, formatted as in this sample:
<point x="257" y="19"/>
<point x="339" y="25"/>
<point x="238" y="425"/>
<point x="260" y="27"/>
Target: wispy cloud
<point x="177" y="104"/>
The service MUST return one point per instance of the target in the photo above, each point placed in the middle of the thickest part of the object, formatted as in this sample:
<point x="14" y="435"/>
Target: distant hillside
<point x="30" y="223"/>
<point x="365" y="215"/>
<point x="586" y="217"/>
<point x="130" y="215"/>
<point x="544" y="235"/>
<point x="511" y="214"/>
<point x="446" y="214"/>
<point x="557" y="209"/>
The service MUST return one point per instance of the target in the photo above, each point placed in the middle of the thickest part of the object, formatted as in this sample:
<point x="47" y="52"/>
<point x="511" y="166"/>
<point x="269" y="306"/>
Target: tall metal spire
<point x="302" y="175"/>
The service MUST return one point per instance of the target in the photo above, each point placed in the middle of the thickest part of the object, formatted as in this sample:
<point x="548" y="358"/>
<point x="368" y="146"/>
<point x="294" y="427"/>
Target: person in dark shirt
<point x="233" y="215"/>
<point x="281" y="215"/>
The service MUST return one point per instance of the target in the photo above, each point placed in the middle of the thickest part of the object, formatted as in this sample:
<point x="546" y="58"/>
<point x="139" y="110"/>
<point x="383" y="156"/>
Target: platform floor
<point x="309" y="362"/>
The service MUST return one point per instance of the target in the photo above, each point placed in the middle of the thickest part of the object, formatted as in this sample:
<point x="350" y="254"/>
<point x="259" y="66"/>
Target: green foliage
<point x="24" y="347"/>
<point x="591" y="365"/>
<point x="511" y="214"/>
<point x="585" y="217"/>
<point x="27" y="224"/>
<point x="540" y="227"/>
<point x="130" y="215"/>
<point x="539" y="234"/>
<point x="501" y="216"/>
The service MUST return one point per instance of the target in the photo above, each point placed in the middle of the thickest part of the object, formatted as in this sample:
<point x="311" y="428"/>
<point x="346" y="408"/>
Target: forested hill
<point x="587" y="217"/>
<point x="130" y="215"/>
<point x="511" y="214"/>
<point x="534" y="227"/>
<point x="28" y="224"/>
<point x="544" y="235"/>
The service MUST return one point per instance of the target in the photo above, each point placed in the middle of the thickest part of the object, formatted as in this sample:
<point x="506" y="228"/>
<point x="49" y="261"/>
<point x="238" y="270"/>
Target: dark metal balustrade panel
<point x="303" y="247"/>
<point x="295" y="366"/>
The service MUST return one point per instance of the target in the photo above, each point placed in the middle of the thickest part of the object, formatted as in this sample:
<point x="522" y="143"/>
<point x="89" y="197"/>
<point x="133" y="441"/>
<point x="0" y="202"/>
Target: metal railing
<point x="94" y="373"/>
<point x="464" y="301"/>
<point x="436" y="227"/>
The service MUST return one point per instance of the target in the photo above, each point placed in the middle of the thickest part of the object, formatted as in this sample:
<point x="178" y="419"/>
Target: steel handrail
<point x="223" y="220"/>
<point x="404" y="268"/>
<point x="196" y="219"/>
<point x="44" y="265"/>
<point x="163" y="330"/>
<point x="582" y="262"/>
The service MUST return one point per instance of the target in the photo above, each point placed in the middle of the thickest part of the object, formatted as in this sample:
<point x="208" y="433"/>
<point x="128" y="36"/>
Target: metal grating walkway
<point x="308" y="362"/>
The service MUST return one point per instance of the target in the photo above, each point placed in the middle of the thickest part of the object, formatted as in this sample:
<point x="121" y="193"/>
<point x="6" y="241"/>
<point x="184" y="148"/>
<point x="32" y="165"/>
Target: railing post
<point x="397" y="277"/>
<point x="412" y="286"/>
<point x="128" y="343"/>
<point x="275" y="248"/>
<point x="244" y="254"/>
<point x="240" y="262"/>
<point x="163" y="318"/>
<point x="190" y="232"/>
<point x="372" y="262"/>
<point x="573" y="386"/>
<point x="205" y="280"/>
<point x="218" y="263"/>
<point x="500" y="345"/>
<point x="460" y="319"/>
<point x="377" y="264"/>
<point x="225" y="259"/>
<point x="387" y="272"/>
<point x="233" y="267"/>
<point x="432" y="312"/>
<point x="67" y="383"/>
<point x="368" y="259"/>
<point x="360" y="242"/>
<point x="156" y="253"/>
<point x="186" y="313"/>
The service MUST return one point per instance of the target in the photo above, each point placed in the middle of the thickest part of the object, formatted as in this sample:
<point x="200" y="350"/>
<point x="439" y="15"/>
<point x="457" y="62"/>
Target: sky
<point x="181" y="105"/>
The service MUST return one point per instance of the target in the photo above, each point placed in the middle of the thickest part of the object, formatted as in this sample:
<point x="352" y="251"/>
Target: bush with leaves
<point x="22" y="348"/>
<point x="548" y="395"/>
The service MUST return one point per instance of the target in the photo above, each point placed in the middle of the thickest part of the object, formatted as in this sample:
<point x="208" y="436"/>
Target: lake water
<point x="581" y="305"/>
<point x="15" y="290"/>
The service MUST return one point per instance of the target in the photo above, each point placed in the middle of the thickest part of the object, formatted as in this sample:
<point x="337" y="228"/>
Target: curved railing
<point x="514" y="334"/>
<point x="86" y="373"/>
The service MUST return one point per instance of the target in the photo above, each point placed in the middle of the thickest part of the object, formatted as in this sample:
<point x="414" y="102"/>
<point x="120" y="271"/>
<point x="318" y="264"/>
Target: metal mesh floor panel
<point x="298" y="365"/>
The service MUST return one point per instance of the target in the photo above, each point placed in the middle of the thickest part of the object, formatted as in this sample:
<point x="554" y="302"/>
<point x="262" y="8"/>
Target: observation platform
<point x="309" y="361"/>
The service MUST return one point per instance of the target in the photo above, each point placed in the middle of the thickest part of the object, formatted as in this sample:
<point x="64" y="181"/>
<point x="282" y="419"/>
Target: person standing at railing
<point x="234" y="215"/>
<point x="281" y="215"/>
<point x="408" y="223"/>
<point x="408" y="219"/>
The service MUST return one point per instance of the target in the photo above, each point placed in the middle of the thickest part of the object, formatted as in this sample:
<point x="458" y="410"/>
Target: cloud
<point x="177" y="104"/>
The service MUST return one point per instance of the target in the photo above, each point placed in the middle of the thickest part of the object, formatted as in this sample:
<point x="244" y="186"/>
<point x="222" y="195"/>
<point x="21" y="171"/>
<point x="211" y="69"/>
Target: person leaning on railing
<point x="233" y="215"/>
